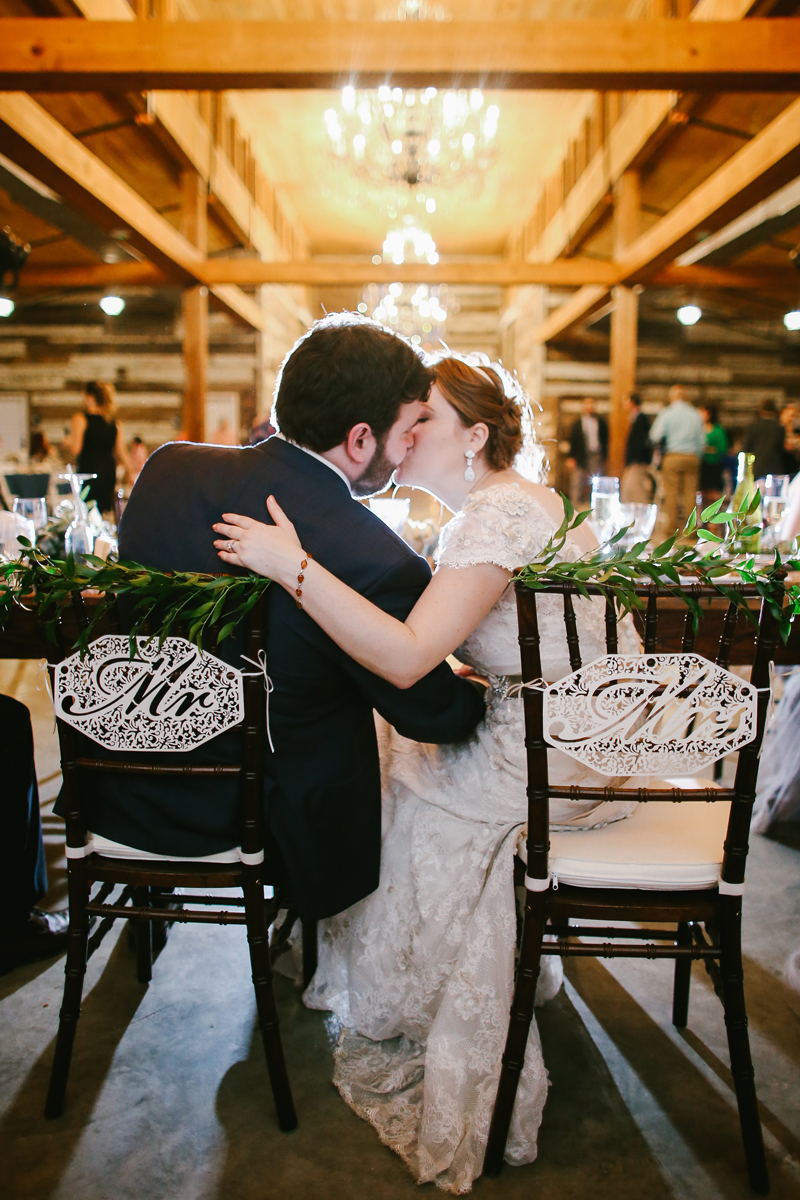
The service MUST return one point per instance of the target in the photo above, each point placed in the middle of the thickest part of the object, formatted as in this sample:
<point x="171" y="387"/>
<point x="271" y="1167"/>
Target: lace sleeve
<point x="502" y="525"/>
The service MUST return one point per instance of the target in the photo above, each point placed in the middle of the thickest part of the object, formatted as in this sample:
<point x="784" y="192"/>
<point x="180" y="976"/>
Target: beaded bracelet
<point x="298" y="591"/>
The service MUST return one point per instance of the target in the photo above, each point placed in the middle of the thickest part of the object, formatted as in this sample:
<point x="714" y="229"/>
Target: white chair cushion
<point x="661" y="847"/>
<point x="105" y="846"/>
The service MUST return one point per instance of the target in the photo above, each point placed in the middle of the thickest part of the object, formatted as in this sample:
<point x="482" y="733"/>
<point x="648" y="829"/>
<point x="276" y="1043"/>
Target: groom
<point x="348" y="397"/>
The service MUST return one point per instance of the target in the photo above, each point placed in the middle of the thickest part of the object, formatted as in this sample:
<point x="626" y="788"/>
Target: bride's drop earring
<point x="469" y="474"/>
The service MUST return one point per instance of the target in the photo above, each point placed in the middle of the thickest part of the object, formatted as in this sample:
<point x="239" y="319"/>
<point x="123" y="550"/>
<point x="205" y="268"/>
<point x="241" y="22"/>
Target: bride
<point x="420" y="973"/>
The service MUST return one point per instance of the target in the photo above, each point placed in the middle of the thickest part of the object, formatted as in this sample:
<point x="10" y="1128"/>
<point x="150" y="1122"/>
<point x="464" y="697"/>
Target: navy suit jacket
<point x="322" y="784"/>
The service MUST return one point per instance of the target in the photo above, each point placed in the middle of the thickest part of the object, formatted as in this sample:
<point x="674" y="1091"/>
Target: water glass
<point x="606" y="515"/>
<point x="774" y="498"/>
<point x="32" y="509"/>
<point x="641" y="520"/>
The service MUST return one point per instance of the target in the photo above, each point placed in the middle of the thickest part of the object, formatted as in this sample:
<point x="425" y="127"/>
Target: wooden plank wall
<point x="142" y="356"/>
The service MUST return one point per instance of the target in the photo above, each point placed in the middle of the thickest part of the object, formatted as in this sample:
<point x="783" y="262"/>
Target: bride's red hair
<point x="479" y="395"/>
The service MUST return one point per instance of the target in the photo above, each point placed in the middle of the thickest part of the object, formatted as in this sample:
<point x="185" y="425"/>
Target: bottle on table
<point x="745" y="491"/>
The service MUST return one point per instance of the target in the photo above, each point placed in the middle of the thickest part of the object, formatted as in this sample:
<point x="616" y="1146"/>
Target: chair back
<point x="28" y="487"/>
<point x="716" y="633"/>
<point x="248" y="770"/>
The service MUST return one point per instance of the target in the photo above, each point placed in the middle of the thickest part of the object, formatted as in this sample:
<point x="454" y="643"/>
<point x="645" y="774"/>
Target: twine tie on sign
<point x="534" y="685"/>
<point x="261" y="669"/>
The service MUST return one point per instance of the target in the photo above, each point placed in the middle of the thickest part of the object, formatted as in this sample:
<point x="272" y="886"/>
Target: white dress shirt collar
<point x="318" y="457"/>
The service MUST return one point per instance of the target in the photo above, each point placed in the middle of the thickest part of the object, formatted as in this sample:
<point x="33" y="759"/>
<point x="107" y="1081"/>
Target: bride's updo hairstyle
<point x="485" y="392"/>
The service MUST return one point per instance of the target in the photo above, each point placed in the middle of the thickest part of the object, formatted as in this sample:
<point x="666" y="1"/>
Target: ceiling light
<point x="112" y="306"/>
<point x="430" y="204"/>
<point x="6" y="306"/>
<point x="689" y="314"/>
<point x="791" y="319"/>
<point x="406" y="133"/>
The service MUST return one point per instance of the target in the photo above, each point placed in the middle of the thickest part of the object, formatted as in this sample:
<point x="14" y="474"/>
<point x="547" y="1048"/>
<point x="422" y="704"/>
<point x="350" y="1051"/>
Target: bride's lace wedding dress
<point x="420" y="973"/>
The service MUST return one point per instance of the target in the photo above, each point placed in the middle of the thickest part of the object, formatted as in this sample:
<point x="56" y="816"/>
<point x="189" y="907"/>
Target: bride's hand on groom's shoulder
<point x="270" y="550"/>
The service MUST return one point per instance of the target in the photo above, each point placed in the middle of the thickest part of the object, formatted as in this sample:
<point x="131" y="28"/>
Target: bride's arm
<point x="454" y="602"/>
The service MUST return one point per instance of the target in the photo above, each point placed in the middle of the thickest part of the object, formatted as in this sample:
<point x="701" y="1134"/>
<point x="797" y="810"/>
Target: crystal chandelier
<point x="413" y="136"/>
<point x="410" y="242"/>
<point x="418" y="311"/>
<point x="414" y="10"/>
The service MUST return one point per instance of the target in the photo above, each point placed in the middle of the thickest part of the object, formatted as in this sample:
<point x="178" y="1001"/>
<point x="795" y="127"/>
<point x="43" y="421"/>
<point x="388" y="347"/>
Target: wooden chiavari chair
<point x="147" y="884"/>
<point x="595" y="885"/>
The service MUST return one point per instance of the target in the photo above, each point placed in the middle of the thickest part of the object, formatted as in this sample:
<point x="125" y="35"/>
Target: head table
<point x="24" y="636"/>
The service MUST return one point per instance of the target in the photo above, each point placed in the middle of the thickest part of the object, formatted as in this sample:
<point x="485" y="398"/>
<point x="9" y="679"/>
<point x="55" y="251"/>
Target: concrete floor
<point x="168" y="1095"/>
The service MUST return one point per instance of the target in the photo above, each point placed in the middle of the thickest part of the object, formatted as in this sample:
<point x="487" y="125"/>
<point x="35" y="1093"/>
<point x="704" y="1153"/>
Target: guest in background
<point x="95" y="443"/>
<point x="765" y="439"/>
<point x="42" y="456"/>
<point x="138" y="455"/>
<point x="261" y="430"/>
<point x="588" y="450"/>
<point x="637" y="485"/>
<point x="26" y="932"/>
<point x="790" y="420"/>
<point x="680" y="427"/>
<point x="712" y="484"/>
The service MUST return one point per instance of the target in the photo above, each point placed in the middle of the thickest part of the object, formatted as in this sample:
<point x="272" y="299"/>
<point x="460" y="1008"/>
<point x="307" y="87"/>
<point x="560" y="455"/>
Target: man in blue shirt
<point x="679" y="427"/>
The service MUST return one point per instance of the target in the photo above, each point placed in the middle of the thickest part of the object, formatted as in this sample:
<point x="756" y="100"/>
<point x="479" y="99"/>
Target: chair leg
<point x="258" y="942"/>
<point x="74" y="971"/>
<point x="519" y="1025"/>
<point x="683" y="978"/>
<point x="309" y="951"/>
<point x="739" y="1041"/>
<point x="143" y="935"/>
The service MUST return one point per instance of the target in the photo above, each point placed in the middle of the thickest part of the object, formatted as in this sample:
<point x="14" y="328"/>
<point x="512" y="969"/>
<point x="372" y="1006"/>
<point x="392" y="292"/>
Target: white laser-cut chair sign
<point x="168" y="698"/>
<point x="650" y="714"/>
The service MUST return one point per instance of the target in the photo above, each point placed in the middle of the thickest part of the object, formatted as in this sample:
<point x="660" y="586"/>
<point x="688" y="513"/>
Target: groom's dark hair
<point x="345" y="370"/>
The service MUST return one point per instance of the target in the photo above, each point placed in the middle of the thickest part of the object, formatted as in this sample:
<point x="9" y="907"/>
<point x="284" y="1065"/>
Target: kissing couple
<point x="395" y="795"/>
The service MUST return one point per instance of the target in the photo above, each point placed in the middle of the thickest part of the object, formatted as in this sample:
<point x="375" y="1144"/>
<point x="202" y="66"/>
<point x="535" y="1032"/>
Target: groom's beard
<point x="376" y="475"/>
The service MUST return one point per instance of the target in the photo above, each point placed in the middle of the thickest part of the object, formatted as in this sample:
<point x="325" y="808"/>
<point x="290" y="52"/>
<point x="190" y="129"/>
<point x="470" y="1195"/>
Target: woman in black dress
<point x="96" y="443"/>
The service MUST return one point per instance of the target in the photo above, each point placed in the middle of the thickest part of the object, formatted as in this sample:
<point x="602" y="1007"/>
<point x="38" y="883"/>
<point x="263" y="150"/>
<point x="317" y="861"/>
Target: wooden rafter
<point x="32" y="138"/>
<point x="761" y="166"/>
<point x="633" y="137"/>
<point x="75" y="55"/>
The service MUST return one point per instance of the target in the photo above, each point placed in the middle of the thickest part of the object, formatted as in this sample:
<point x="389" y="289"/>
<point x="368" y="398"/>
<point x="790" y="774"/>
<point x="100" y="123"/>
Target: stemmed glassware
<point x="640" y="520"/>
<point x="606" y="517"/>
<point x="79" y="534"/>
<point x="774" y="498"/>
<point x="32" y="509"/>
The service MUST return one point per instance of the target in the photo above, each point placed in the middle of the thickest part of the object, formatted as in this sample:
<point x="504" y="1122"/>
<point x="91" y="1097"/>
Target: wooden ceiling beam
<point x="564" y="273"/>
<point x="755" y="171"/>
<point x="32" y="138"/>
<point x="777" y="281"/>
<point x="39" y="55"/>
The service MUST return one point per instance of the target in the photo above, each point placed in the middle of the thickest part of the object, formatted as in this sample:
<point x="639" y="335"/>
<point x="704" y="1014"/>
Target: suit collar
<point x="319" y="457"/>
<point x="302" y="459"/>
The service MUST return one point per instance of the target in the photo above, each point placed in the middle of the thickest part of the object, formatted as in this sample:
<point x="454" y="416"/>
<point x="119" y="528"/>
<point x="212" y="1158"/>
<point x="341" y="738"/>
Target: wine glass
<point x="774" y="498"/>
<point x="641" y="521"/>
<point x="606" y="517"/>
<point x="79" y="535"/>
<point x="34" y="509"/>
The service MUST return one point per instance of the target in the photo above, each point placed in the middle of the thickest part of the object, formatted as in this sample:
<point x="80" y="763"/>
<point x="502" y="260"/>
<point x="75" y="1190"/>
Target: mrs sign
<point x="650" y="714"/>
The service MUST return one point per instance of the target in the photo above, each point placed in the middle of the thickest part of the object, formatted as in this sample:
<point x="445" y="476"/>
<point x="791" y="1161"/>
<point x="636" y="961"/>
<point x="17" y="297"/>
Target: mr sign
<point x="649" y="714"/>
<point x="165" y="698"/>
